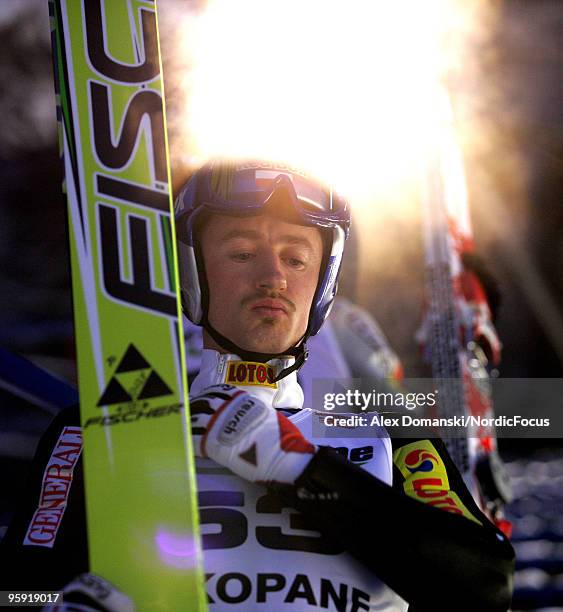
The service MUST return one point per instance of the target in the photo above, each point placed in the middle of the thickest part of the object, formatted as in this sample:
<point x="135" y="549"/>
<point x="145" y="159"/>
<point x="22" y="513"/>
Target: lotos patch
<point x="250" y="373"/>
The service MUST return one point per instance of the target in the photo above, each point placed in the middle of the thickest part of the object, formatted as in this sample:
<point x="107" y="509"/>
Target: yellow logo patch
<point x="250" y="373"/>
<point x="426" y="478"/>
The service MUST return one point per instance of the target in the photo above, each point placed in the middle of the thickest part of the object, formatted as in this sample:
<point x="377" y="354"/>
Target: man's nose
<point x="271" y="274"/>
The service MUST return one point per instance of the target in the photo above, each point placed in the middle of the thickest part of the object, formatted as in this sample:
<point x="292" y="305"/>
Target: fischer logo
<point x="132" y="416"/>
<point x="115" y="140"/>
<point x="251" y="373"/>
<point x="57" y="479"/>
<point x="145" y="383"/>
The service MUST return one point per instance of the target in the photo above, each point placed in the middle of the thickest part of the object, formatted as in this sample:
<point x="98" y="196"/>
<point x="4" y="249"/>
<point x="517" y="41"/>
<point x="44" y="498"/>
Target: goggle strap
<point x="301" y="354"/>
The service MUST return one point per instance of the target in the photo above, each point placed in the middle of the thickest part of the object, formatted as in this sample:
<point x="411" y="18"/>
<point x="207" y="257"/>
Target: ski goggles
<point x="245" y="188"/>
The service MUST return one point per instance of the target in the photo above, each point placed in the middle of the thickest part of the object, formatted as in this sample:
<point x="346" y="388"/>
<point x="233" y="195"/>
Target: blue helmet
<point x="245" y="189"/>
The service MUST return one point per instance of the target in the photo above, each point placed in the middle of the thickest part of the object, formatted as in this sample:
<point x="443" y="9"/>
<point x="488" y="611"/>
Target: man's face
<point x="262" y="274"/>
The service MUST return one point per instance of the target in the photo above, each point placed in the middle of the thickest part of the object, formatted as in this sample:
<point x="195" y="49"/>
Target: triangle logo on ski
<point x="133" y="379"/>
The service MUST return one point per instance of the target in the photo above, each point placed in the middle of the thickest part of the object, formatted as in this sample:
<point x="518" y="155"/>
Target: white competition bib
<point x="260" y="555"/>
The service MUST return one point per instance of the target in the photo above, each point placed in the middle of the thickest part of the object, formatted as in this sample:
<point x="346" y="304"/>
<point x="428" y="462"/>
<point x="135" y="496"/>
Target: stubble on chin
<point x="269" y="336"/>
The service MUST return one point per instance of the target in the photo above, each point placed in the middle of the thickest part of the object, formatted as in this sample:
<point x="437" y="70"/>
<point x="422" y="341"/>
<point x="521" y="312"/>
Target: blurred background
<point x="345" y="90"/>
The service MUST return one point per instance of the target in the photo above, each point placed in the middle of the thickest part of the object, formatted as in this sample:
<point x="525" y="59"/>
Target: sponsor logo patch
<point x="55" y="488"/>
<point x="426" y="478"/>
<point x="250" y="373"/>
<point x="247" y="416"/>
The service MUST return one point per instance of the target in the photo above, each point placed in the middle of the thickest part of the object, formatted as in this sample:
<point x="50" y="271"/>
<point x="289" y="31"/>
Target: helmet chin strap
<point x="299" y="351"/>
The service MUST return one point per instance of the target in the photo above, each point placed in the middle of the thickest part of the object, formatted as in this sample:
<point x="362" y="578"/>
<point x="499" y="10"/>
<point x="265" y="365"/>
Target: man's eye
<point x="294" y="262"/>
<point x="241" y="256"/>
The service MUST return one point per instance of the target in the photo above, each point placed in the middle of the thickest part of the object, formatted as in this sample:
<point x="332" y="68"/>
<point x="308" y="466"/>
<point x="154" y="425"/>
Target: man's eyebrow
<point x="254" y="235"/>
<point x="240" y="233"/>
